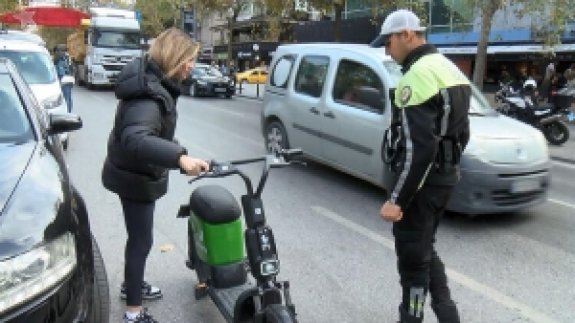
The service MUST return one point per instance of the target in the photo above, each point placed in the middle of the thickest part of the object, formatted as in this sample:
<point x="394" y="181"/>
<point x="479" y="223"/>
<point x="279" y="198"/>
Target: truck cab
<point x="100" y="49"/>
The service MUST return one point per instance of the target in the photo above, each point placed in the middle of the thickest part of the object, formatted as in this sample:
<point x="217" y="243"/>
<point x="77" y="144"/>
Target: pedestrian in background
<point x="64" y="69"/>
<point x="141" y="150"/>
<point x="431" y="113"/>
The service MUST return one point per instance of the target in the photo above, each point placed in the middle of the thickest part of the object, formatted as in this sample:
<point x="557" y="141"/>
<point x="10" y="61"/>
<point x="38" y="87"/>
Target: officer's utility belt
<point x="448" y="155"/>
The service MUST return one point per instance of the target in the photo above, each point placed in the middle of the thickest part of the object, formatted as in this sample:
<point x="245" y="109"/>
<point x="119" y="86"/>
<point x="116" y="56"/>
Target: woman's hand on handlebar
<point x="193" y="166"/>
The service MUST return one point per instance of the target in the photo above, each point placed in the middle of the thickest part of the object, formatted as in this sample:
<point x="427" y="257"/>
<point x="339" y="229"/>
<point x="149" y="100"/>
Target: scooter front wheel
<point x="557" y="132"/>
<point x="278" y="313"/>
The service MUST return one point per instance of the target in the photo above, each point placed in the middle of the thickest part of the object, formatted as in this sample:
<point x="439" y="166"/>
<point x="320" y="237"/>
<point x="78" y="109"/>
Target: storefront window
<point x="449" y="16"/>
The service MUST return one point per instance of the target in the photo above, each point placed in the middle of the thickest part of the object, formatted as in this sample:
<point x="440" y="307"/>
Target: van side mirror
<point x="63" y="122"/>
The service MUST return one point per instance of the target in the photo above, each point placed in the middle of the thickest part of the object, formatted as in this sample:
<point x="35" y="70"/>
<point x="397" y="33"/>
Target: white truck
<point x="103" y="45"/>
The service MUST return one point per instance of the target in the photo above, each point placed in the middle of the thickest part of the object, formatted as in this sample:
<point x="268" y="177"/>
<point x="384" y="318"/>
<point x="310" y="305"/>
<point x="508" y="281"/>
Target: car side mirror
<point x="63" y="122"/>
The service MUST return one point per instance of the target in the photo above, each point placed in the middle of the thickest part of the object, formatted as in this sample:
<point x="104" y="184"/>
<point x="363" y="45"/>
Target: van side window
<point x="358" y="86"/>
<point x="311" y="75"/>
<point x="281" y="71"/>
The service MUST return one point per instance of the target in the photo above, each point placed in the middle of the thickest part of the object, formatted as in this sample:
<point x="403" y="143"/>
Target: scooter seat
<point x="214" y="204"/>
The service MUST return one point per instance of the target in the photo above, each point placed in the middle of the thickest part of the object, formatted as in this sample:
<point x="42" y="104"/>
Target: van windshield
<point x="479" y="105"/>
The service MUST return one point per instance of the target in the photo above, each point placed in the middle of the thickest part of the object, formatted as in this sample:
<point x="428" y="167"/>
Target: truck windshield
<point x="35" y="67"/>
<point x="117" y="39"/>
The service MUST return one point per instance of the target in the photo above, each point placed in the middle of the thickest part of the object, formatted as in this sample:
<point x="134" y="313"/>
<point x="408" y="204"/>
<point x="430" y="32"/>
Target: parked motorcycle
<point x="522" y="105"/>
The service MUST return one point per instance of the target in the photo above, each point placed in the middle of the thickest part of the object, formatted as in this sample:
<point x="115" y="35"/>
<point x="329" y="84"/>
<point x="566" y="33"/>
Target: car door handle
<point x="314" y="110"/>
<point x="329" y="115"/>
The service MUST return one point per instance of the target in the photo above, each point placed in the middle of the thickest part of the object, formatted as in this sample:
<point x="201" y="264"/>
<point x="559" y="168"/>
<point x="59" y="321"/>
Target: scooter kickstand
<point x="201" y="291"/>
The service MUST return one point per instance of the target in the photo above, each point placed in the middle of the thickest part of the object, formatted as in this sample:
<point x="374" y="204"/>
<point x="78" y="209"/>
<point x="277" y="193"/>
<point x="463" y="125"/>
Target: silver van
<point x="332" y="100"/>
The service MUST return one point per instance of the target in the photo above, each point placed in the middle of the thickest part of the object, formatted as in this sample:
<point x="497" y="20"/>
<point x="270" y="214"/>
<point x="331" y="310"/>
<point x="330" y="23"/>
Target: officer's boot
<point x="446" y="312"/>
<point x="404" y="317"/>
<point x="411" y="308"/>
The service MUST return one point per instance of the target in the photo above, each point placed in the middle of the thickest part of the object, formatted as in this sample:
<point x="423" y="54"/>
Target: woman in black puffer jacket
<point x="141" y="151"/>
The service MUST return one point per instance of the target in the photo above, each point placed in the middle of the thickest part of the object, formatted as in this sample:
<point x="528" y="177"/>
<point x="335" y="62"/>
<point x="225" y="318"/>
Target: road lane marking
<point x="566" y="204"/>
<point x="563" y="164"/>
<point x="491" y="293"/>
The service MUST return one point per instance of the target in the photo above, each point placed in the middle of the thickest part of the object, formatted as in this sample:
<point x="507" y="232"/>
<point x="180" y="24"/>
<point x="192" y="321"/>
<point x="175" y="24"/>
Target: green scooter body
<point x="217" y="244"/>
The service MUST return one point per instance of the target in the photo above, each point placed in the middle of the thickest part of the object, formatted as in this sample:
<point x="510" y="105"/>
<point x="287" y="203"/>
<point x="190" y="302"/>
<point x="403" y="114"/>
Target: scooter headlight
<point x="270" y="267"/>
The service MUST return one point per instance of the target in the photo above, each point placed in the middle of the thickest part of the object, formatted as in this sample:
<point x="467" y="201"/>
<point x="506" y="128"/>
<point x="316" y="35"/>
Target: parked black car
<point x="206" y="80"/>
<point x="51" y="269"/>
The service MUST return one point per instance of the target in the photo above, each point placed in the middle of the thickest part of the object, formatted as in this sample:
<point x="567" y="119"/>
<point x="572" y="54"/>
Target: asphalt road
<point x="335" y="250"/>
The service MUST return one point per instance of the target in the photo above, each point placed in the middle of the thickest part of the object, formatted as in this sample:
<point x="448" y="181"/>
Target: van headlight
<point x="475" y="149"/>
<point x="52" y="102"/>
<point x="30" y="274"/>
<point x="202" y="83"/>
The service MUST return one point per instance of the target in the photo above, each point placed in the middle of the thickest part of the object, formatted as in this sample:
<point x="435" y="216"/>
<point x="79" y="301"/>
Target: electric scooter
<point x="216" y="246"/>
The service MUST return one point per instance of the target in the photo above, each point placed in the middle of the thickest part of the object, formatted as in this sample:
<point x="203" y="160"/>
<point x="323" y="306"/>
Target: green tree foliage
<point x="551" y="16"/>
<point x="8" y="5"/>
<point x="159" y="15"/>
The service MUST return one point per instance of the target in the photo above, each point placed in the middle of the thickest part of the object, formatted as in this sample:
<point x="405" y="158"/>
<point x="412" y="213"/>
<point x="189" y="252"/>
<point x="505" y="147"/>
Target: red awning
<point x="45" y="16"/>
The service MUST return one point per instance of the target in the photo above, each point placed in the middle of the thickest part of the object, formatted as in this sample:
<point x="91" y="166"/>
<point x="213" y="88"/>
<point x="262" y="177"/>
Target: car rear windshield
<point x="35" y="67"/>
<point x="14" y="123"/>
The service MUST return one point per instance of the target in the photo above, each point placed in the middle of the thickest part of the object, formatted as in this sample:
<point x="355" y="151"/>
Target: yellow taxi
<point x="252" y="76"/>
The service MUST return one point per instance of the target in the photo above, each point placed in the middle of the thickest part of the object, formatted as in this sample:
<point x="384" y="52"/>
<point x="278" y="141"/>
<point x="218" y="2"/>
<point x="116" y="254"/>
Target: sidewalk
<point x="564" y="153"/>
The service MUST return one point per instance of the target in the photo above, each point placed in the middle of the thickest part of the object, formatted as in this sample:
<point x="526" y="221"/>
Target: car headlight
<point x="203" y="83"/>
<point x="32" y="273"/>
<point x="52" y="102"/>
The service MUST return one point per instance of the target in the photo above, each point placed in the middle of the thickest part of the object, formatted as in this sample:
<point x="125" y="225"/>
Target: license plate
<point x="571" y="116"/>
<point x="220" y="90"/>
<point x="525" y="186"/>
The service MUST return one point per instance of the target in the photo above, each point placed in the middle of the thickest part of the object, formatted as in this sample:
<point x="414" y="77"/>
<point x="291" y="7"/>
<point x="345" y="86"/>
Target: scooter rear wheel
<point x="278" y="313"/>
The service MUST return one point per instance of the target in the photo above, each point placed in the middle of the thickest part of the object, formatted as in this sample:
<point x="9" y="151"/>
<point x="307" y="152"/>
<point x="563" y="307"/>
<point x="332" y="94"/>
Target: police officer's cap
<point x="397" y="22"/>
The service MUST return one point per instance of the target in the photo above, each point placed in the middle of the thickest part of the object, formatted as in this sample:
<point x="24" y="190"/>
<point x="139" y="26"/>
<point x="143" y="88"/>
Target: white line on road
<point x="493" y="294"/>
<point x="563" y="164"/>
<point x="566" y="204"/>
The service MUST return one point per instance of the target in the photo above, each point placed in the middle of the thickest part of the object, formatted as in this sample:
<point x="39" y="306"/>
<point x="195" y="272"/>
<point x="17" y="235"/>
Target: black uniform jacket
<point x="141" y="147"/>
<point x="422" y="125"/>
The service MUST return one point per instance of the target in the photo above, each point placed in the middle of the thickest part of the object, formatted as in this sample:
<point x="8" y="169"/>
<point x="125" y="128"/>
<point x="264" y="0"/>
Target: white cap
<point x="396" y="22"/>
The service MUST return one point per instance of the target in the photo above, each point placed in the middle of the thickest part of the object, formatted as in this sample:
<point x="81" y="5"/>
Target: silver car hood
<point x="502" y="140"/>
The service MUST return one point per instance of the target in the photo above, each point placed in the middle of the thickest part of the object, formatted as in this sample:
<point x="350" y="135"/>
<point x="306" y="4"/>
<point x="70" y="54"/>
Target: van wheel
<point x="100" y="311"/>
<point x="276" y="137"/>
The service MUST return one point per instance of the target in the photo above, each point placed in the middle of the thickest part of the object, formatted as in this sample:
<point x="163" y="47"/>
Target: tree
<point x="552" y="15"/>
<point x="8" y="5"/>
<point x="159" y="15"/>
<point x="227" y="8"/>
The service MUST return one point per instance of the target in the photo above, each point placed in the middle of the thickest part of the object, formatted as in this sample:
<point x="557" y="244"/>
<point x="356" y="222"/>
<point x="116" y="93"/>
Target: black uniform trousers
<point x="420" y="268"/>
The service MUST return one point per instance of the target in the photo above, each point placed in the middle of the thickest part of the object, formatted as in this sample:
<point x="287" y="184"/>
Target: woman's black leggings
<point x="139" y="217"/>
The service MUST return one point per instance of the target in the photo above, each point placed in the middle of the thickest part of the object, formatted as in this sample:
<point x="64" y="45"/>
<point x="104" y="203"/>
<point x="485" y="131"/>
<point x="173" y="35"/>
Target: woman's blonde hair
<point x="171" y="49"/>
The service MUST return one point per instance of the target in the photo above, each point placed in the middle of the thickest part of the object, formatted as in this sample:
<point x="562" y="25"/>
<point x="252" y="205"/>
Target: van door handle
<point x="314" y="110"/>
<point x="329" y="115"/>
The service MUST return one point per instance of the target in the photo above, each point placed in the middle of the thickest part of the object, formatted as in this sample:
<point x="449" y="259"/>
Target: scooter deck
<point x="225" y="298"/>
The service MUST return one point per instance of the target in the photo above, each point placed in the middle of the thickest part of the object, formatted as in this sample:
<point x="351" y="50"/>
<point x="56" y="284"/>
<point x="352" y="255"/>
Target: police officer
<point x="430" y="115"/>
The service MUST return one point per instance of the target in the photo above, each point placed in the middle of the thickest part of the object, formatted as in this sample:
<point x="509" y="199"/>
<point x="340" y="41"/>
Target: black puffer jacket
<point x="141" y="147"/>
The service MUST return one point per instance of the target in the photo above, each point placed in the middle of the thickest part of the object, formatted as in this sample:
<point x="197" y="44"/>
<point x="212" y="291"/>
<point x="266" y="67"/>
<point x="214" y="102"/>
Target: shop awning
<point x="45" y="16"/>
